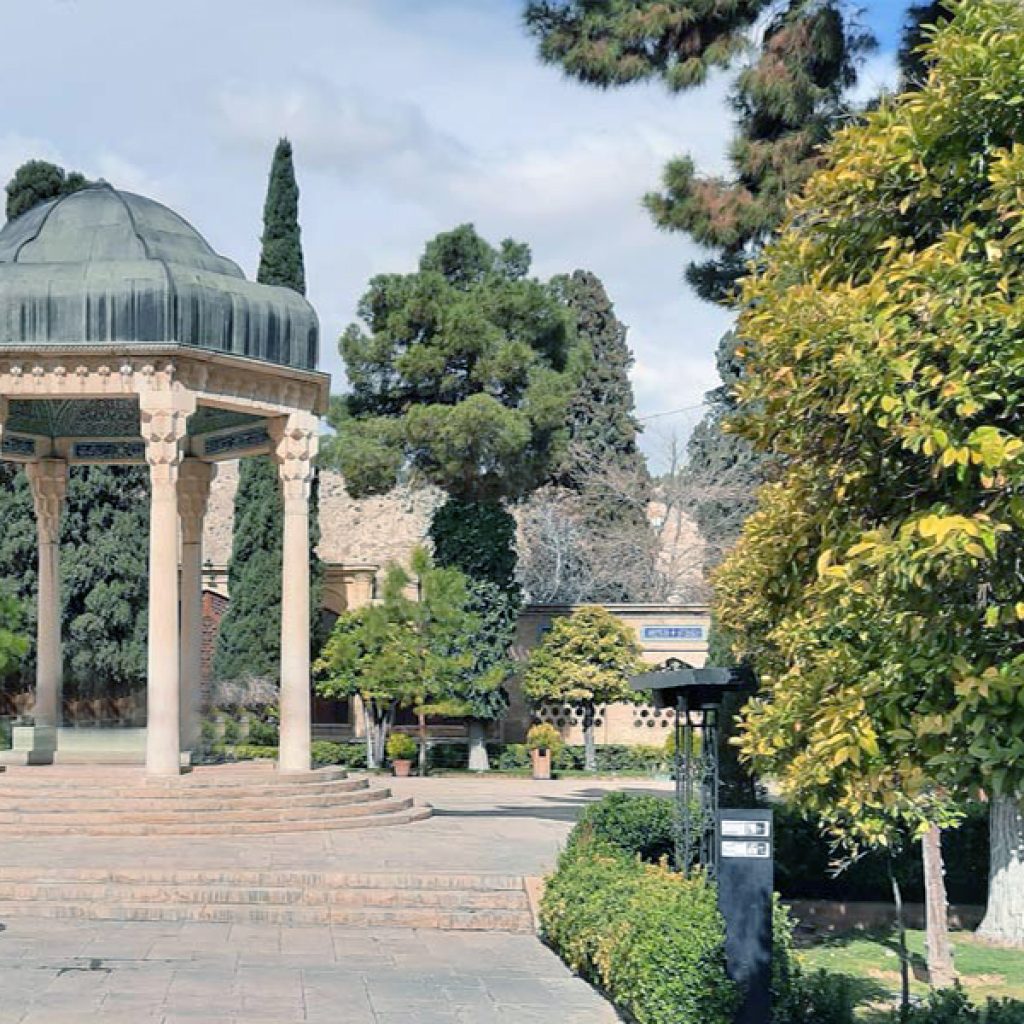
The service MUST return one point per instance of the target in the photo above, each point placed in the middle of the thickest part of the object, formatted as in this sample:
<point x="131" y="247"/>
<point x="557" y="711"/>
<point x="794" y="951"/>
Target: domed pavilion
<point x="125" y="339"/>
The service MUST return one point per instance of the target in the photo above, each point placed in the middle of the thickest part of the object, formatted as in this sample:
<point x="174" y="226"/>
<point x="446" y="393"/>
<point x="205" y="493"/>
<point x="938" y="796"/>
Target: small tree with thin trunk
<point x="403" y="652"/>
<point x="585" y="660"/>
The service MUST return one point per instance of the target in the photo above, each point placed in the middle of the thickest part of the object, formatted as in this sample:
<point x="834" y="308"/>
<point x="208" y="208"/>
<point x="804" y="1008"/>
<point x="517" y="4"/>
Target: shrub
<point x="513" y="757"/>
<point x="345" y="755"/>
<point x="263" y="733"/>
<point x="803" y="857"/>
<point x="232" y="731"/>
<point x="253" y="752"/>
<point x="401" y="747"/>
<point x="544" y="737"/>
<point x="951" y="1006"/>
<point x="641" y="825"/>
<point x="652" y="940"/>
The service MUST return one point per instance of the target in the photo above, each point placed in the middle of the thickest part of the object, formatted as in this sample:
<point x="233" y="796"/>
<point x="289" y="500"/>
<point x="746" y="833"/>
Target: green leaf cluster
<point x="878" y="584"/>
<point x="586" y="658"/>
<point x="406" y="650"/>
<point x="104" y="574"/>
<point x="13" y="641"/>
<point x="458" y="375"/>
<point x="38" y="181"/>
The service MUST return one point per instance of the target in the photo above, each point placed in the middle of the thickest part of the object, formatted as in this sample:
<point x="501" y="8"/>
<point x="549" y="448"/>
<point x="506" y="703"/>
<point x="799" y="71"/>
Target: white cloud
<point x="342" y="130"/>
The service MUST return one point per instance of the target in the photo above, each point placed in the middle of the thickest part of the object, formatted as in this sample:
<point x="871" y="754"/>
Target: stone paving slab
<point x="72" y="972"/>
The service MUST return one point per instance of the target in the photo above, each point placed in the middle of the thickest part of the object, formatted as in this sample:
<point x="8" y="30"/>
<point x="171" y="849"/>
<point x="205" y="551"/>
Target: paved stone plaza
<point x="58" y="971"/>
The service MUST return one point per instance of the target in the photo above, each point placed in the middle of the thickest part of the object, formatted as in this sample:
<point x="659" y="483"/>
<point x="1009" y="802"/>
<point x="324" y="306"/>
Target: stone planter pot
<point x="402" y="768"/>
<point x="541" y="760"/>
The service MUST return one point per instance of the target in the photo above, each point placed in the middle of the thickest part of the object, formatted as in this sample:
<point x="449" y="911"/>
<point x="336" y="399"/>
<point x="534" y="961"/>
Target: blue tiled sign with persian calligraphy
<point x="672" y="632"/>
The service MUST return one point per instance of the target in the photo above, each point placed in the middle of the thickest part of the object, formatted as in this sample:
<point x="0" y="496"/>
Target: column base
<point x="31" y="744"/>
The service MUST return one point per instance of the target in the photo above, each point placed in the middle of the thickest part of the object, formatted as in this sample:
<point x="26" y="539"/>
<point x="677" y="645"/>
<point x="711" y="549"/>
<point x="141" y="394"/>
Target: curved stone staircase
<point x="232" y="800"/>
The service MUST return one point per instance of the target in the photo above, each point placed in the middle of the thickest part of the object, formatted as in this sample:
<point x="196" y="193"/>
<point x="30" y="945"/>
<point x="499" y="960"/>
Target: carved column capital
<point x="296" y="440"/>
<point x="194" y="479"/>
<point x="164" y="417"/>
<point x="48" y="481"/>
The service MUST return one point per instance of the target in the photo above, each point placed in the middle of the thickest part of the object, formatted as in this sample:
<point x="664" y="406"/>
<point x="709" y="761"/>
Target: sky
<point x="407" y="117"/>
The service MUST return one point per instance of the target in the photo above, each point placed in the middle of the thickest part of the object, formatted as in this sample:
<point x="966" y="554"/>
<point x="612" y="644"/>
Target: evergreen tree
<point x="249" y="641"/>
<point x="459" y="379"/>
<point x="602" y="428"/>
<point x="912" y="59"/>
<point x="38" y="181"/>
<point x="104" y="574"/>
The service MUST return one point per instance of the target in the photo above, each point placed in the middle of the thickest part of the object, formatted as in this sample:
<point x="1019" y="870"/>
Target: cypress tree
<point x="249" y="641"/>
<point x="602" y="427"/>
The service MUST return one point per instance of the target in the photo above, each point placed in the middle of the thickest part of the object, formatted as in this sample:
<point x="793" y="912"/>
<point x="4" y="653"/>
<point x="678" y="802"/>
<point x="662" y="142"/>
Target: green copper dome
<point x="102" y="266"/>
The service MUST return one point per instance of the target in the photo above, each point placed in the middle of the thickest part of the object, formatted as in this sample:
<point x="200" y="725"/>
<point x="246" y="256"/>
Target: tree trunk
<point x="370" y="725"/>
<point x="901" y="933"/>
<point x="589" y="747"/>
<point x="941" y="973"/>
<point x="478" y="760"/>
<point x="421" y="720"/>
<point x="1004" y="915"/>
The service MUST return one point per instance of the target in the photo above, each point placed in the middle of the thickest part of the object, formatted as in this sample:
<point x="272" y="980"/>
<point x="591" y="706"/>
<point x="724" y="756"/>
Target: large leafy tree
<point x="459" y="376"/>
<point x="403" y="651"/>
<point x="249" y="641"/>
<point x="585" y="659"/>
<point x="878" y="584"/>
<point x="38" y="181"/>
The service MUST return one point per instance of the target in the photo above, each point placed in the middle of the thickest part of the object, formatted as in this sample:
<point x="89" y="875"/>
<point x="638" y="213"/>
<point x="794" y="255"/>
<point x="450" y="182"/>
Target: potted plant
<point x="401" y="750"/>
<point x="544" y="741"/>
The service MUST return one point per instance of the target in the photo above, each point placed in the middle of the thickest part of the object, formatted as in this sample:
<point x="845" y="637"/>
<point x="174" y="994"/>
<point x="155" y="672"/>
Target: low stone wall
<point x="836" y="916"/>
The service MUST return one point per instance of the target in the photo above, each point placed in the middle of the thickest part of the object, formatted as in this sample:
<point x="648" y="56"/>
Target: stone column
<point x="193" y="494"/>
<point x="164" y="415"/>
<point x="48" y="480"/>
<point x="295" y="445"/>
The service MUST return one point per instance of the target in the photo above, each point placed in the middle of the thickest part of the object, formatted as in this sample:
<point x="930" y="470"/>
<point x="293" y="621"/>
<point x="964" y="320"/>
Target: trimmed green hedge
<point x="641" y="825"/>
<point x="652" y="940"/>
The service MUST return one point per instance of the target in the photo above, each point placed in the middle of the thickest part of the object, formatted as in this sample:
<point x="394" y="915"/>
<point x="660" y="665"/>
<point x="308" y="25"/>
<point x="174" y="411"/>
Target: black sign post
<point x="745" y="881"/>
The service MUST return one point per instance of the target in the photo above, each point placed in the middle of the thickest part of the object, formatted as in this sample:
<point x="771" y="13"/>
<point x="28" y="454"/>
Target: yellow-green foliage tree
<point x="585" y="659"/>
<point x="878" y="586"/>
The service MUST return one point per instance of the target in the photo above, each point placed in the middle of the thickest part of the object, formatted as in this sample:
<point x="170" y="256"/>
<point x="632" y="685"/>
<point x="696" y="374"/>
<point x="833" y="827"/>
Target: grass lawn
<point x="871" y="960"/>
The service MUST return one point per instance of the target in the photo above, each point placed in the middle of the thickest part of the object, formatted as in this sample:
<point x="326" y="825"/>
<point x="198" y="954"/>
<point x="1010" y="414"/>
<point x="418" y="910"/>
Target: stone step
<point x="365" y="917"/>
<point x="371" y="801"/>
<point x="265" y="878"/>
<point x="43" y="806"/>
<point x="206" y="799"/>
<point x="278" y="896"/>
<point x="340" y="818"/>
<point x="75" y="780"/>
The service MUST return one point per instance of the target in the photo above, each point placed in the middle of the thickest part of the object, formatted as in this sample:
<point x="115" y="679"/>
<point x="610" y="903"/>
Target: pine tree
<point x="249" y="641"/>
<point x="38" y="181"/>
<point x="459" y="379"/>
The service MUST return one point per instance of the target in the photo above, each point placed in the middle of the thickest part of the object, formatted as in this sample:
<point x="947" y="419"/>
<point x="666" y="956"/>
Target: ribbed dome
<point x="102" y="266"/>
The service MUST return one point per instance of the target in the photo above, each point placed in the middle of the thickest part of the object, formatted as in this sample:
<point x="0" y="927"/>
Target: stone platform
<point x="229" y="800"/>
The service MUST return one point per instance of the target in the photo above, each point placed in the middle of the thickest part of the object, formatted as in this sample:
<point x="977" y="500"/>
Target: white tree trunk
<point x="371" y="753"/>
<point x="478" y="760"/>
<point x="1004" y="915"/>
<point x="940" y="953"/>
<point x="589" y="746"/>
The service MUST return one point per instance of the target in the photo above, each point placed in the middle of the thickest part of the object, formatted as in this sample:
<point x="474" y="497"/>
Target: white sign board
<point x="739" y="848"/>
<point x="746" y="829"/>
